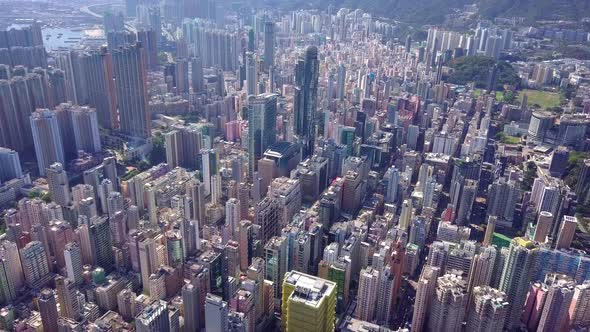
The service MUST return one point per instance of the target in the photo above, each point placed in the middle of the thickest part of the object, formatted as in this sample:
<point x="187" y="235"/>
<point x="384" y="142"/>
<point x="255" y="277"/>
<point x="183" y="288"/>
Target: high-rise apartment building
<point x="448" y="304"/>
<point x="58" y="183"/>
<point x="48" y="310"/>
<point x="131" y="88"/>
<point x="518" y="272"/>
<point x="85" y="128"/>
<point x="47" y="139"/>
<point x="487" y="310"/>
<point x="367" y="294"/>
<point x="99" y="72"/>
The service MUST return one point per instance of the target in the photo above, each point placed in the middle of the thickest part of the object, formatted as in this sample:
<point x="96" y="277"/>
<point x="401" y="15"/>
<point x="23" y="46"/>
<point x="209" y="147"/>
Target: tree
<point x="158" y="153"/>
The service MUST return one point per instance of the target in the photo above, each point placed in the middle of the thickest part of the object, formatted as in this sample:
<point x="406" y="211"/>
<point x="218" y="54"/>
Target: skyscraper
<point x="48" y="310"/>
<point x="10" y="167"/>
<point x="47" y="139"/>
<point x="131" y="88"/>
<point x="262" y="117"/>
<point x="308" y="302"/>
<point x="448" y="304"/>
<point x="191" y="302"/>
<point x="487" y="311"/>
<point x="216" y="312"/>
<point x="367" y="294"/>
<point x="59" y="186"/>
<point x="85" y="127"/>
<point x="518" y="272"/>
<point x="306" y="80"/>
<point x="153" y="318"/>
<point x="197" y="79"/>
<point x="98" y="69"/>
<point x="251" y="75"/>
<point x="269" y="45"/>
<point x="567" y="230"/>
<point x="73" y="258"/>
<point x="557" y="303"/>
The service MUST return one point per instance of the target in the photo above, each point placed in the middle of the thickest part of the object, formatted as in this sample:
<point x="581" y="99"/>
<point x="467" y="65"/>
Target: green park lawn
<point x="542" y="98"/>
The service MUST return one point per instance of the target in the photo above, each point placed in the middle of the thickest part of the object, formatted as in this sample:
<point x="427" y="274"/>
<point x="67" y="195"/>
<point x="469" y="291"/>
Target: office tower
<point x="269" y="45"/>
<point x="181" y="70"/>
<point x="98" y="70"/>
<point x="567" y="230"/>
<point x="543" y="226"/>
<point x="579" y="312"/>
<point x="308" y="302"/>
<point x="47" y="139"/>
<point x="73" y="258"/>
<point x="262" y="116"/>
<point x="304" y="107"/>
<point x="131" y="88"/>
<point x="216" y="312"/>
<point x="191" y="302"/>
<point x="197" y="79"/>
<point x="153" y="318"/>
<point x="487" y="241"/>
<point x="34" y="261"/>
<point x="59" y="186"/>
<point x="559" y="161"/>
<point x="251" y="74"/>
<point x="48" y="310"/>
<point x="560" y="292"/>
<point x="276" y="257"/>
<point x="518" y="272"/>
<point x="67" y="297"/>
<point x="267" y="217"/>
<point x="487" y="311"/>
<point x="101" y="243"/>
<point x="10" y="167"/>
<point x="85" y="127"/>
<point x="448" y="304"/>
<point x="367" y="294"/>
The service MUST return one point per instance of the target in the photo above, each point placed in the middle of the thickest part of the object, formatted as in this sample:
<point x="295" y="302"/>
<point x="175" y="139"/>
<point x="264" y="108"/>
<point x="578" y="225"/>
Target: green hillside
<point x="433" y="11"/>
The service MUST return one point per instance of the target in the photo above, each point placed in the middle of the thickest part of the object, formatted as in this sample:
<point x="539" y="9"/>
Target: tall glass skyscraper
<point x="306" y="80"/>
<point x="262" y="131"/>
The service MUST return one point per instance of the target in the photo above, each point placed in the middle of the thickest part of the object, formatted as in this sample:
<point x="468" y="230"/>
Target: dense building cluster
<point x="226" y="169"/>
